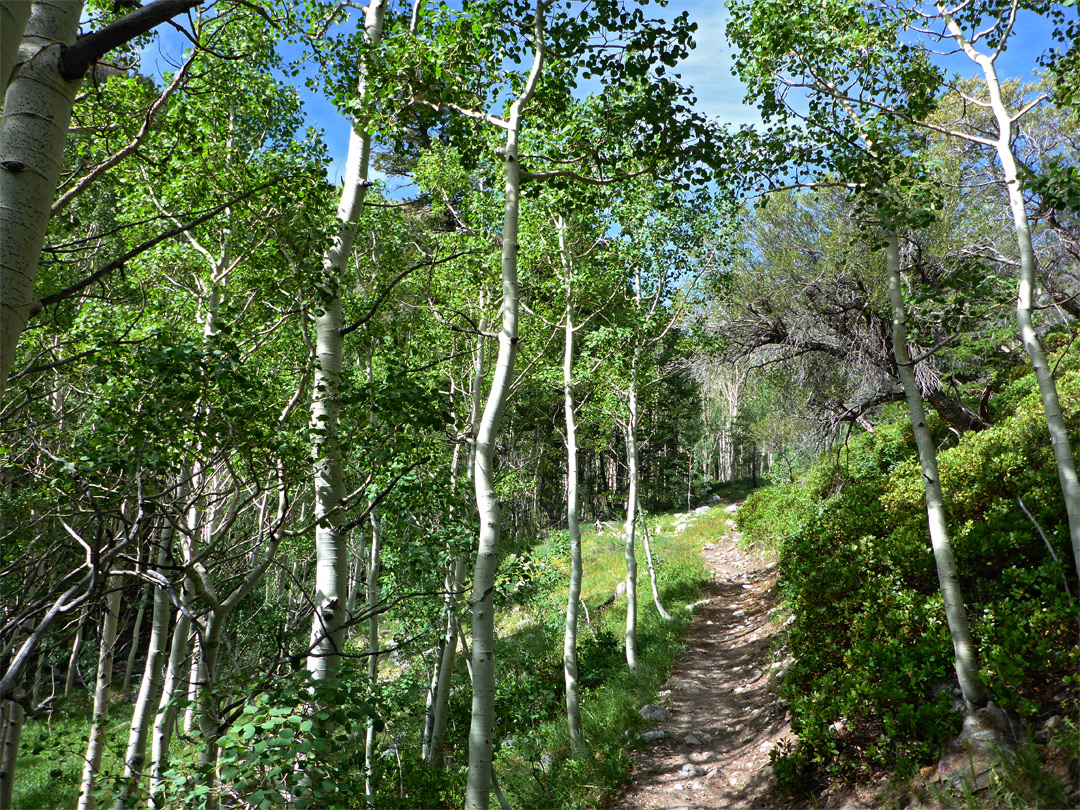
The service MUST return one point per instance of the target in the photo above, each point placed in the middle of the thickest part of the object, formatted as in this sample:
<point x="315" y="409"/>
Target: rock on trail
<point x="722" y="717"/>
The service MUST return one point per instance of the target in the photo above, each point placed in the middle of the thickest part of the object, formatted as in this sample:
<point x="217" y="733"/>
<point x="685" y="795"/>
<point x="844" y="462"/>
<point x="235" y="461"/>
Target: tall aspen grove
<point x="539" y="404"/>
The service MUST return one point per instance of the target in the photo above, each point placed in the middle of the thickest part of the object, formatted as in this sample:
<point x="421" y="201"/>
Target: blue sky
<point x="707" y="70"/>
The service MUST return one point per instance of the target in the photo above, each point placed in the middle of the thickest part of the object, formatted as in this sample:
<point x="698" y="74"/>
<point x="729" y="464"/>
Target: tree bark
<point x="11" y="723"/>
<point x="33" y="130"/>
<point x="573" y="599"/>
<point x="373" y="641"/>
<point x="96" y="745"/>
<point x="73" y="659"/>
<point x="1055" y="422"/>
<point x="14" y="14"/>
<point x="150" y="685"/>
<point x="652" y="569"/>
<point x="481" y="729"/>
<point x="133" y="651"/>
<point x="165" y="721"/>
<point x="629" y="529"/>
<point x="948" y="581"/>
<point x="331" y="551"/>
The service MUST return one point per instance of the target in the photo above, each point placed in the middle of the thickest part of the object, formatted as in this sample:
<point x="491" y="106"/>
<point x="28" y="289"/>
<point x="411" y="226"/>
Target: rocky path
<point x="721" y="715"/>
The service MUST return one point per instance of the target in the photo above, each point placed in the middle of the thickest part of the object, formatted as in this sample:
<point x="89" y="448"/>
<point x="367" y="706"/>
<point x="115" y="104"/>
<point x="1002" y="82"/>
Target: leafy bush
<point x="869" y="640"/>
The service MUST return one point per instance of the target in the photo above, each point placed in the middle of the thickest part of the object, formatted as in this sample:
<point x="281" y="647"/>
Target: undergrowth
<point x="870" y="647"/>
<point x="534" y="762"/>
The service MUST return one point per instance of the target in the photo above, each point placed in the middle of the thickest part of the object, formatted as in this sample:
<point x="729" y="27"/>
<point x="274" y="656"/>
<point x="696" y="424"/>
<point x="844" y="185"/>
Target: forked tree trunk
<point x="96" y="744"/>
<point x="481" y="729"/>
<point x="948" y="581"/>
<point x="573" y="598"/>
<point x="331" y="548"/>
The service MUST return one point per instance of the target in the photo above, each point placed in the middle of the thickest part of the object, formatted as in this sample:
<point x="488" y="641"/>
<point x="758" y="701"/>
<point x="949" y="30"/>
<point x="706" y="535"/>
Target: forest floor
<point x="724" y="715"/>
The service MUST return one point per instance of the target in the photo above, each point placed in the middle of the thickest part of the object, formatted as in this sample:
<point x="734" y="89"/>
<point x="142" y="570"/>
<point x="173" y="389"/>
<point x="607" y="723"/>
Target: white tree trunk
<point x="192" y="684"/>
<point x="1055" y="422"/>
<point x="96" y="745"/>
<point x="133" y="651"/>
<point x="631" y="522"/>
<point x="652" y="569"/>
<point x="331" y="550"/>
<point x="73" y="659"/>
<point x="481" y="729"/>
<point x="33" y="130"/>
<point x="11" y="723"/>
<point x="573" y="598"/>
<point x="373" y="641"/>
<point x="955" y="613"/>
<point x="14" y="14"/>
<point x="166" y="716"/>
<point x="435" y="739"/>
<point x="150" y="686"/>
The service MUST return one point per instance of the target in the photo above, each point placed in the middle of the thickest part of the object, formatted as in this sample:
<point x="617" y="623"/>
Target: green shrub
<point x="868" y="636"/>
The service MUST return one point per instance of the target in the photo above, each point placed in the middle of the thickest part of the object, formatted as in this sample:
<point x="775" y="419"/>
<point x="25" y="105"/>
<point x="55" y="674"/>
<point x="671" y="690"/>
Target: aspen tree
<point x="332" y="567"/>
<point x="95" y="746"/>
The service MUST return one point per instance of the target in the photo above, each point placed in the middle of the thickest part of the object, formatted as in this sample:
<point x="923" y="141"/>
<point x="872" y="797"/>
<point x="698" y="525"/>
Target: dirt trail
<point x="721" y="701"/>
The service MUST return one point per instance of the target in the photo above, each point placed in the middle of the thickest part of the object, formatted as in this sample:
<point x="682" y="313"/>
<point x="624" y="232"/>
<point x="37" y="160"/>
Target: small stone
<point x="652" y="736"/>
<point x="690" y="739"/>
<point x="739" y="613"/>
<point x="767" y="746"/>
<point x="684" y="683"/>
<point x="546" y="761"/>
<point x="650" y="711"/>
<point x="731" y="509"/>
<point x="1052" y="723"/>
<point x="689" y="771"/>
<point x="664" y="693"/>
<point x="740" y="728"/>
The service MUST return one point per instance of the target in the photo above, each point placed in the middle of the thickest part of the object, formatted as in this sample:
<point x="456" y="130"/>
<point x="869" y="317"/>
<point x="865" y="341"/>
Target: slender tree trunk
<point x="373" y="642"/>
<point x="165" y="721"/>
<point x="11" y="723"/>
<point x="33" y="130"/>
<point x="441" y="708"/>
<point x="96" y="745"/>
<point x="73" y="659"/>
<point x="14" y="14"/>
<point x="631" y="522"/>
<point x="133" y="651"/>
<point x="573" y="599"/>
<point x="150" y="685"/>
<point x="443" y="680"/>
<point x="652" y="569"/>
<point x="1055" y="422"/>
<point x="948" y="581"/>
<point x="331" y="549"/>
<point x="481" y="729"/>
<point x="191" y="711"/>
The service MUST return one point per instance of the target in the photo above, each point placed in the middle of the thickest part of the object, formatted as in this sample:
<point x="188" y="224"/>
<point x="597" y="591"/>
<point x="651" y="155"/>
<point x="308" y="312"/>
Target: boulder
<point x="650" y="711"/>
<point x="989" y="738"/>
